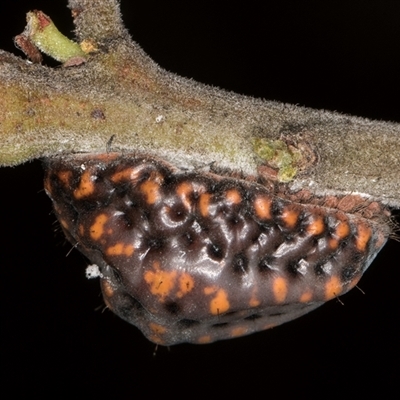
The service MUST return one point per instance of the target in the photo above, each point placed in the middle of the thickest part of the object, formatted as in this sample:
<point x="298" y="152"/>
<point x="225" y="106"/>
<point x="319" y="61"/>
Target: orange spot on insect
<point x="65" y="177"/>
<point x="219" y="304"/>
<point x="333" y="244"/>
<point x="107" y="288"/>
<point x="124" y="175"/>
<point x="254" y="302"/>
<point x="306" y="297"/>
<point x="204" y="339"/>
<point x="131" y="174"/>
<point x="280" y="289"/>
<point x="333" y="288"/>
<point x="204" y="203"/>
<point x="233" y="196"/>
<point x="86" y="186"/>
<point x="164" y="283"/>
<point x="364" y="233"/>
<point x="239" y="331"/>
<point x="81" y="230"/>
<point x="183" y="191"/>
<point x="129" y="249"/>
<point x="290" y="217"/>
<point x="120" y="249"/>
<point x="161" y="282"/>
<point x="316" y="227"/>
<point x="157" y="329"/>
<point x="97" y="229"/>
<point x="209" y="290"/>
<point x="342" y="229"/>
<point x="150" y="190"/>
<point x="262" y="207"/>
<point x="186" y="284"/>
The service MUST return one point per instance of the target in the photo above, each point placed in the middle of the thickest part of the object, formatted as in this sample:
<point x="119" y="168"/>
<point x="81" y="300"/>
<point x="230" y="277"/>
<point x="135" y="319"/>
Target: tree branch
<point x="120" y="91"/>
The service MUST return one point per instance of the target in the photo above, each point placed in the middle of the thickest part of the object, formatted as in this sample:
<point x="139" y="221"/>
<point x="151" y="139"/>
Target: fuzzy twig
<point x="115" y="90"/>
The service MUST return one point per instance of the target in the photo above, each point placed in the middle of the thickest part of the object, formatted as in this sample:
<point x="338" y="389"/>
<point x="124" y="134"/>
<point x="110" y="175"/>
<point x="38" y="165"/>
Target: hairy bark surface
<point x="121" y="93"/>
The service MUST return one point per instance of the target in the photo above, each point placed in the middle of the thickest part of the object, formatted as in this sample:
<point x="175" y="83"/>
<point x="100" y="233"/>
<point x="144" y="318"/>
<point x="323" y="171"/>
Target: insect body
<point x="199" y="257"/>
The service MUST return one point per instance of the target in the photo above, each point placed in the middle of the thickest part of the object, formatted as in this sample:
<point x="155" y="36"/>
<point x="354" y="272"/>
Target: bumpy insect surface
<point x="198" y="257"/>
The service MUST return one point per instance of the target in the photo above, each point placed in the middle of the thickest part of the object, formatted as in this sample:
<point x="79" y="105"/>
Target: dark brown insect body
<point x="198" y="257"/>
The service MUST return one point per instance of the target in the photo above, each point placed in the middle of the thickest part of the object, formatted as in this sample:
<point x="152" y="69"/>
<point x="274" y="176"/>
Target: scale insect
<point x="197" y="257"/>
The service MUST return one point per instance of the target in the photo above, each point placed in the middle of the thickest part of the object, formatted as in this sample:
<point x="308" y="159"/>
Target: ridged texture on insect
<point x="196" y="257"/>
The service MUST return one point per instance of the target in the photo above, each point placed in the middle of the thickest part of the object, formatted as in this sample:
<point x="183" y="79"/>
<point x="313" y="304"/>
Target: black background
<point x="55" y="338"/>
